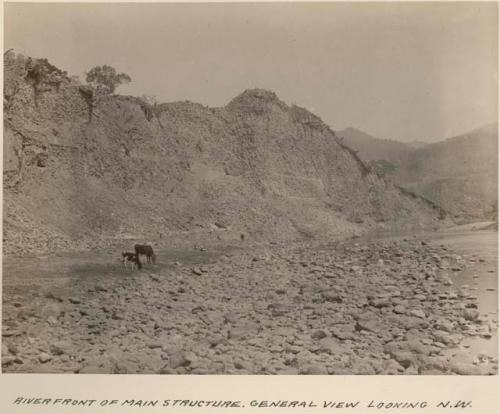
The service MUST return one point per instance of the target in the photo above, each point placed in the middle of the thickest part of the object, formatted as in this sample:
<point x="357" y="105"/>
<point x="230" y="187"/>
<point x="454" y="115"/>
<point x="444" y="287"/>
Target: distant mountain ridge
<point x="371" y="148"/>
<point x="459" y="173"/>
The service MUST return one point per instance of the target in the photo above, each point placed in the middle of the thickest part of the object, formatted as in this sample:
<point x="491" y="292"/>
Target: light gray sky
<point x="403" y="71"/>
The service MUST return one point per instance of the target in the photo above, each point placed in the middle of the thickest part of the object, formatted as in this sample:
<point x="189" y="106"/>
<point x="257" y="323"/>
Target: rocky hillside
<point x="81" y="172"/>
<point x="460" y="174"/>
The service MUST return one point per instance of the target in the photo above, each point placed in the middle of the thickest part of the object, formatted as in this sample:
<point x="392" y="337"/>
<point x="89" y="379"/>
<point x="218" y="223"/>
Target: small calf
<point x="131" y="258"/>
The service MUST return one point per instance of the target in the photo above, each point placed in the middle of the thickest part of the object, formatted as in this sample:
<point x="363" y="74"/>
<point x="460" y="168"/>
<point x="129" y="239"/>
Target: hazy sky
<point x="404" y="71"/>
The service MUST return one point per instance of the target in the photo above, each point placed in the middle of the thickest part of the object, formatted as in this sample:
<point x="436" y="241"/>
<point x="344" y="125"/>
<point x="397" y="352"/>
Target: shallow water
<point x="481" y="275"/>
<point x="63" y="269"/>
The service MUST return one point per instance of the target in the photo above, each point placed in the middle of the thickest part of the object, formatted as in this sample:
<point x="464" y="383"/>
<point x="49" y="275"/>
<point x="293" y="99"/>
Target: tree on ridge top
<point x="106" y="79"/>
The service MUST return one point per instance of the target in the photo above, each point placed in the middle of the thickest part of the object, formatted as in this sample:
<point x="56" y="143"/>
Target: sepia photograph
<point x="250" y="188"/>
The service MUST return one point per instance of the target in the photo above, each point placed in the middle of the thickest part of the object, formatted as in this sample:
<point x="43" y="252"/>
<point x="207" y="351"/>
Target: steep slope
<point x="81" y="173"/>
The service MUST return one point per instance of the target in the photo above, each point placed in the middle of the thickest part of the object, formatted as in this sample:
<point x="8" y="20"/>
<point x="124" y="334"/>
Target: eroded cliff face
<point x="81" y="173"/>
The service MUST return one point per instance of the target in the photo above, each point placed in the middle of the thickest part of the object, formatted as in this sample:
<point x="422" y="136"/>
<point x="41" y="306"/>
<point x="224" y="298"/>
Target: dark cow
<point x="146" y="250"/>
<point x="131" y="258"/>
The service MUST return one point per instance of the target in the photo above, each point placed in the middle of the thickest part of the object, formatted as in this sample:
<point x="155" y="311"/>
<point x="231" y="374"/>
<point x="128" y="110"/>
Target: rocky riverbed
<point x="353" y="307"/>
